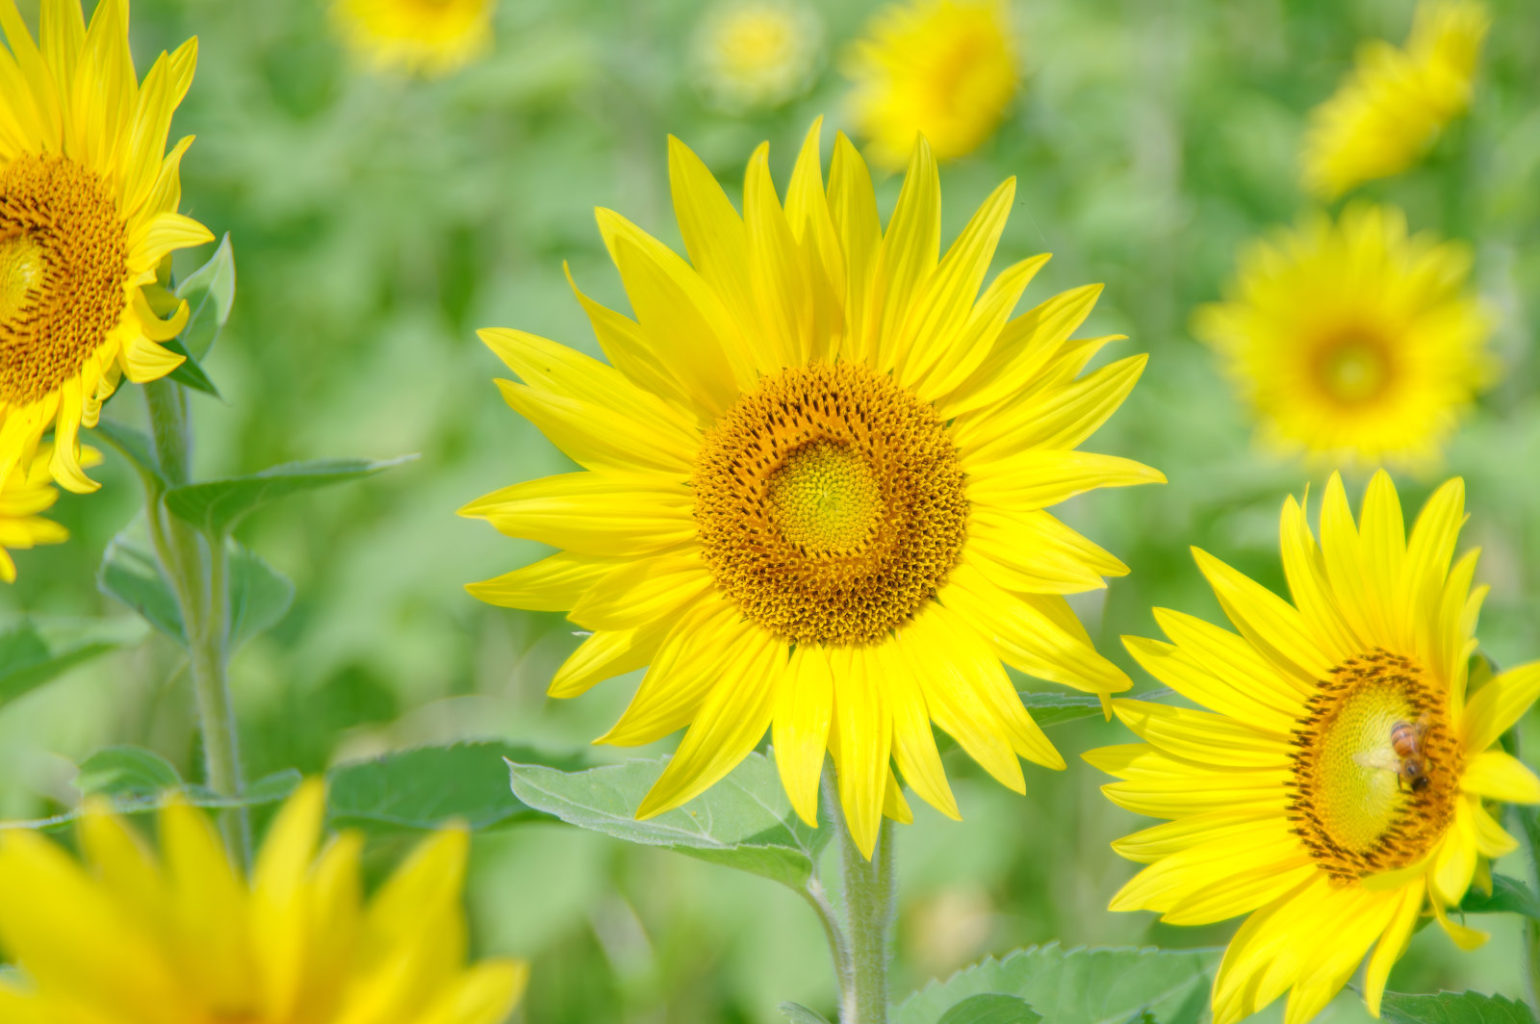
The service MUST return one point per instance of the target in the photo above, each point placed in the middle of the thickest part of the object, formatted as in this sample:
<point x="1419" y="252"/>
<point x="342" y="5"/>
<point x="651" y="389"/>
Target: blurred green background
<point x="378" y="221"/>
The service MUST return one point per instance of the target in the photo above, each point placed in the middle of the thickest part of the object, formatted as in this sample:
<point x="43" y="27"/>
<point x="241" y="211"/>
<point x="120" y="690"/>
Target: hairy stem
<point x="868" y="920"/>
<point x="197" y="569"/>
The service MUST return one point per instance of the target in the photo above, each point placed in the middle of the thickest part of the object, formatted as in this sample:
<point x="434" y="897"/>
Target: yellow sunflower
<point x="756" y="53"/>
<point x="24" y="496"/>
<point x="1337" y="790"/>
<point x="1351" y="341"/>
<point x="816" y="480"/>
<point x="425" y="37"/>
<point x="131" y="938"/>
<point x="1392" y="106"/>
<point x="88" y="209"/>
<point x="945" y="69"/>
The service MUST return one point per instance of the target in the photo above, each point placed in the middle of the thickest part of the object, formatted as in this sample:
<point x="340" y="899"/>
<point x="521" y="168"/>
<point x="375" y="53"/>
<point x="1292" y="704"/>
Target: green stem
<point x="869" y="920"/>
<point x="197" y="569"/>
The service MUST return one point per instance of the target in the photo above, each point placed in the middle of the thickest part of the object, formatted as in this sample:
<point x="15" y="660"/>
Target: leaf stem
<point x="869" y="888"/>
<point x="197" y="568"/>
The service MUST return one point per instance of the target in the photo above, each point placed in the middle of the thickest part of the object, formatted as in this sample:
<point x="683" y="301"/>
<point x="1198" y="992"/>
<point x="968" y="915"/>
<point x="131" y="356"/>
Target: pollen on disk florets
<point x="63" y="269"/>
<point x="830" y="505"/>
<point x="1352" y="808"/>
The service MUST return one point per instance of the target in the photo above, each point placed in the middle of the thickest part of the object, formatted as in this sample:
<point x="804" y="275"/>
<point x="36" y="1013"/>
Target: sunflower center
<point x="63" y="268"/>
<point x="1353" y="370"/>
<point x="1377" y="767"/>
<point x="830" y="505"/>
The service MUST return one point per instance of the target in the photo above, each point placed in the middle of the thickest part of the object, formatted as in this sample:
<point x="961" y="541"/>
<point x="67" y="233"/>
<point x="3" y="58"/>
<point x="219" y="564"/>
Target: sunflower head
<point x="816" y="479"/>
<point x="944" y="69"/>
<point x="88" y="198"/>
<point x="421" y="37"/>
<point x="24" y="496"/>
<point x="1394" y="103"/>
<point x="181" y="937"/>
<point x="1352" y="342"/>
<point x="751" y="54"/>
<point x="1335" y="784"/>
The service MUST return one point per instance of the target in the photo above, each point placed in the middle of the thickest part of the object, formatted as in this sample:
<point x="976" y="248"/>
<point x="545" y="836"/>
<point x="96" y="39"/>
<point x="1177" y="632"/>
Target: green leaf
<point x="37" y="651"/>
<point x="1454" y="1008"/>
<point x="744" y="821"/>
<point x="210" y="293"/>
<point x="190" y="373"/>
<point x="135" y="446"/>
<point x="991" y="1008"/>
<point x="216" y="506"/>
<point x="126" y="771"/>
<point x="1509" y="896"/>
<point x="270" y="789"/>
<point x="130" y="573"/>
<point x="796" y="1013"/>
<point x="427" y="787"/>
<point x="1053" y="707"/>
<point x="260" y="596"/>
<point x="1074" y="986"/>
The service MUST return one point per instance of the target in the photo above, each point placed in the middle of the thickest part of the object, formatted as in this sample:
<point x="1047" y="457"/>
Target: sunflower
<point x="424" y="37"/>
<point x="945" y="69"/>
<point x="756" y="53"/>
<point x="24" y="496"/>
<point x="1395" y="102"/>
<point x="129" y="937"/>
<point x="1337" y="790"/>
<point x="1351" y="341"/>
<point x="88" y="198"/>
<point x="815" y="487"/>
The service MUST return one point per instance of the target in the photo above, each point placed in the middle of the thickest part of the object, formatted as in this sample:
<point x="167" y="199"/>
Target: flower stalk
<point x="197" y="568"/>
<point x="862" y="963"/>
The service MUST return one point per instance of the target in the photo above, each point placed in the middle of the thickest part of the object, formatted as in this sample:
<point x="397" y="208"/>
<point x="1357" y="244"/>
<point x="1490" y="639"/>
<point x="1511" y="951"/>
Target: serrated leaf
<point x="269" y="789"/>
<point x="133" y="445"/>
<point x="1070" y="986"/>
<point x="744" y="821"/>
<point x="1509" y="896"/>
<point x="210" y="294"/>
<point x="131" y="574"/>
<point x="1454" y="1008"/>
<point x="426" y="787"/>
<point x="260" y="596"/>
<point x="126" y="771"/>
<point x="991" y="1008"/>
<point x="796" y="1013"/>
<point x="36" y="651"/>
<point x="216" y="506"/>
<point x="190" y="373"/>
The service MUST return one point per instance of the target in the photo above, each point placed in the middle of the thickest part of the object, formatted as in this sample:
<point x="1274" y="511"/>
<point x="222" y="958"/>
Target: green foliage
<point x="1454" y="1008"/>
<point x="124" y="778"/>
<point x="1071" y="986"/>
<point x="190" y="373"/>
<point x="127" y="772"/>
<point x="744" y="821"/>
<point x="210" y="294"/>
<point x="1509" y="896"/>
<point x="216" y="506"/>
<point x="991" y="1008"/>
<point x="36" y="651"/>
<point x="796" y="1013"/>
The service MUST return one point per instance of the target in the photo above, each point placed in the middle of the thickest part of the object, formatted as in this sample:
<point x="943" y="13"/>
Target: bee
<point x="1405" y="756"/>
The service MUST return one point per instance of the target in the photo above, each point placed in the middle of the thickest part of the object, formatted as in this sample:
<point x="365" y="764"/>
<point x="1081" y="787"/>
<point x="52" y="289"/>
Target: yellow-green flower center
<point x="830" y="505"/>
<point x="1353" y="370"/>
<point x="1377" y="769"/>
<point x="63" y="268"/>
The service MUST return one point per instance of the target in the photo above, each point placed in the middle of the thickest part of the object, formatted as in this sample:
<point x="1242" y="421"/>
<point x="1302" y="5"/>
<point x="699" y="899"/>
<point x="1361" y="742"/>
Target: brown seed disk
<point x="830" y="505"/>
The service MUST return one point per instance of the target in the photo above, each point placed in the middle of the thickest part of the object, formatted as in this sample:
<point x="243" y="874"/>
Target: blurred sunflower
<point x="1351" y="341"/>
<point x="422" y="37"/>
<point x="816" y="484"/>
<point x="945" y="69"/>
<point x="24" y="496"/>
<point x="1393" y="104"/>
<point x="127" y="937"/>
<point x="756" y="53"/>
<point x="88" y="198"/>
<point x="1337" y="789"/>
